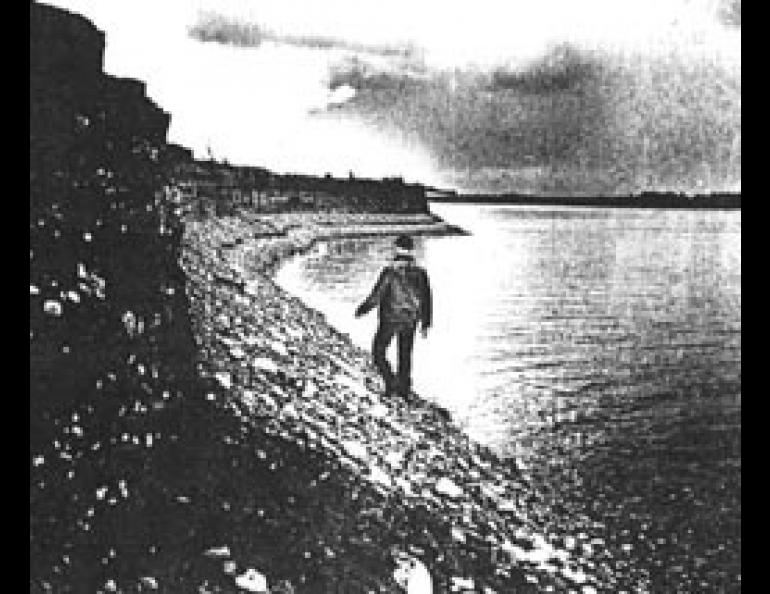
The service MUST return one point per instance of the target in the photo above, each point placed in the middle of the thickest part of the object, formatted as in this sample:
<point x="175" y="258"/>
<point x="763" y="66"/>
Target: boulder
<point x="252" y="581"/>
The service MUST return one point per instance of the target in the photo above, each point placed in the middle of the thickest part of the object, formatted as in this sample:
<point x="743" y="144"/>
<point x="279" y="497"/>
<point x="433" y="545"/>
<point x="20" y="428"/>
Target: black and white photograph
<point x="419" y="297"/>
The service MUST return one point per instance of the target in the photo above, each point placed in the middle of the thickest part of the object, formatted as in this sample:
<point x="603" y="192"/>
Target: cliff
<point x="204" y="187"/>
<point x="112" y="356"/>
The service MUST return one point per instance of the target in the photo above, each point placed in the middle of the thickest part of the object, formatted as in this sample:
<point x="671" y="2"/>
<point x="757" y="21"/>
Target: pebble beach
<point x="414" y="488"/>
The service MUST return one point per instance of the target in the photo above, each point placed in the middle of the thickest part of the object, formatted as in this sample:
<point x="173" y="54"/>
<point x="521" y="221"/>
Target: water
<point x="601" y="349"/>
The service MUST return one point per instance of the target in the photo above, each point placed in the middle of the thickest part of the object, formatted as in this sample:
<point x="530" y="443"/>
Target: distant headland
<point x="645" y="199"/>
<point x="217" y="187"/>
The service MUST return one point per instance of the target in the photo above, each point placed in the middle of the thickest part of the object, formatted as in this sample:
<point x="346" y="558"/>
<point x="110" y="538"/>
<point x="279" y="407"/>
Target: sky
<point x="542" y="96"/>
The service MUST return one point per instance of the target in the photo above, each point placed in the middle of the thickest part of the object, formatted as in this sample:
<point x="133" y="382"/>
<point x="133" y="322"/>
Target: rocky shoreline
<point x="388" y="483"/>
<point x="273" y="463"/>
<point x="193" y="428"/>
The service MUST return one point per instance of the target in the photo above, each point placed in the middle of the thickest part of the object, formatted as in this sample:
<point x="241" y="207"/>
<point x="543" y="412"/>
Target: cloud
<point x="217" y="28"/>
<point x="562" y="68"/>
<point x="378" y="73"/>
<point x="729" y="12"/>
<point x="607" y="122"/>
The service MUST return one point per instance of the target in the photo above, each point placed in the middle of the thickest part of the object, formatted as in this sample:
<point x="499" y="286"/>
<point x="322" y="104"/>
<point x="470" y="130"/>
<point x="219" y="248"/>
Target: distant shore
<point x="646" y="201"/>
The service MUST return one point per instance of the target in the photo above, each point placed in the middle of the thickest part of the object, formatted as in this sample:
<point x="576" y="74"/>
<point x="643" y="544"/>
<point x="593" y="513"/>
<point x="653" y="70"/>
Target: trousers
<point x="404" y="331"/>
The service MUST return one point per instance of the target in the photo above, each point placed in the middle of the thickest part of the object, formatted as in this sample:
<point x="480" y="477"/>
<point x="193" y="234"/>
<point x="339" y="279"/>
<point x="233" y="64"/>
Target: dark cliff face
<point x="102" y="245"/>
<point x="112" y="369"/>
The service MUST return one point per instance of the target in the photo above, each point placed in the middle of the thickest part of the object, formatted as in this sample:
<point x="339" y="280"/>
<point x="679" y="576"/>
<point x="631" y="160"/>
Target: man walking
<point x="403" y="295"/>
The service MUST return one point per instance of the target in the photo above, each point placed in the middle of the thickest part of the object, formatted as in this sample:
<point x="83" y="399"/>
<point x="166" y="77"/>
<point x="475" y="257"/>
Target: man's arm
<point x="426" y="303"/>
<point x="374" y="297"/>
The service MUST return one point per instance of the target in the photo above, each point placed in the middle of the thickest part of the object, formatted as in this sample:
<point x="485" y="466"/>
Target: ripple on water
<point x="602" y="349"/>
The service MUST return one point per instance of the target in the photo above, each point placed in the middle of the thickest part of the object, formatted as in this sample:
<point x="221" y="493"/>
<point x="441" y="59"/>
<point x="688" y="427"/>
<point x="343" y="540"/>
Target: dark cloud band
<point x="574" y="119"/>
<point x="220" y="29"/>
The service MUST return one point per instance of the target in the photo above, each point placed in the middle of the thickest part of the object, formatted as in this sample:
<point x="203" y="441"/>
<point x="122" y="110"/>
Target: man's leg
<point x="382" y="339"/>
<point x="405" y="344"/>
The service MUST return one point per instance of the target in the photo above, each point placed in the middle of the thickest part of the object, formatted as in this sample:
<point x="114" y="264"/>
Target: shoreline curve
<point x="289" y="373"/>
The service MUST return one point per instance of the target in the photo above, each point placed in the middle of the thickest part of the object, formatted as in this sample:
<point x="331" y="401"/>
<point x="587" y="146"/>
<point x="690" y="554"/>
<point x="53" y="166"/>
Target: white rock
<point x="252" y="287"/>
<point x="458" y="534"/>
<point x="536" y="556"/>
<point x="508" y="547"/>
<point x="225" y="379"/>
<point x="309" y="390"/>
<point x="405" y="485"/>
<point x="269" y="401"/>
<point x="463" y="584"/>
<point x="413" y="576"/>
<point x="355" y="449"/>
<point x="447" y="487"/>
<point x="217" y="552"/>
<point x="150" y="582"/>
<point x="394" y="458"/>
<point x="52" y="307"/>
<point x="265" y="364"/>
<point x="576" y="576"/>
<point x="377" y="475"/>
<point x="249" y="398"/>
<point x="38" y="460"/>
<point x="378" y="411"/>
<point x="491" y="491"/>
<point x="252" y="581"/>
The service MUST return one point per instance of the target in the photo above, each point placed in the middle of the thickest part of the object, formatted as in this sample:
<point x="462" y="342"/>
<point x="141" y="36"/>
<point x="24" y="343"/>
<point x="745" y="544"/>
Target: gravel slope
<point x="374" y="479"/>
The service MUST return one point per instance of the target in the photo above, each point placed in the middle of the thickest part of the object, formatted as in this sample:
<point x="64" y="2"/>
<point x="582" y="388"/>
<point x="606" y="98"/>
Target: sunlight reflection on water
<point x="601" y="348"/>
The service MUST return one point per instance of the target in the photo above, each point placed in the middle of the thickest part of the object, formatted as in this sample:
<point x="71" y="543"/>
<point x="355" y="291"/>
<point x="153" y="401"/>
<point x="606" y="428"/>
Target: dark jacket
<point x="383" y="296"/>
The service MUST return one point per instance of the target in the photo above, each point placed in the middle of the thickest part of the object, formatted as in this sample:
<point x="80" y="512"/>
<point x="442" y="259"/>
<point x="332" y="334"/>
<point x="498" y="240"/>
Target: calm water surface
<point x="599" y="347"/>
